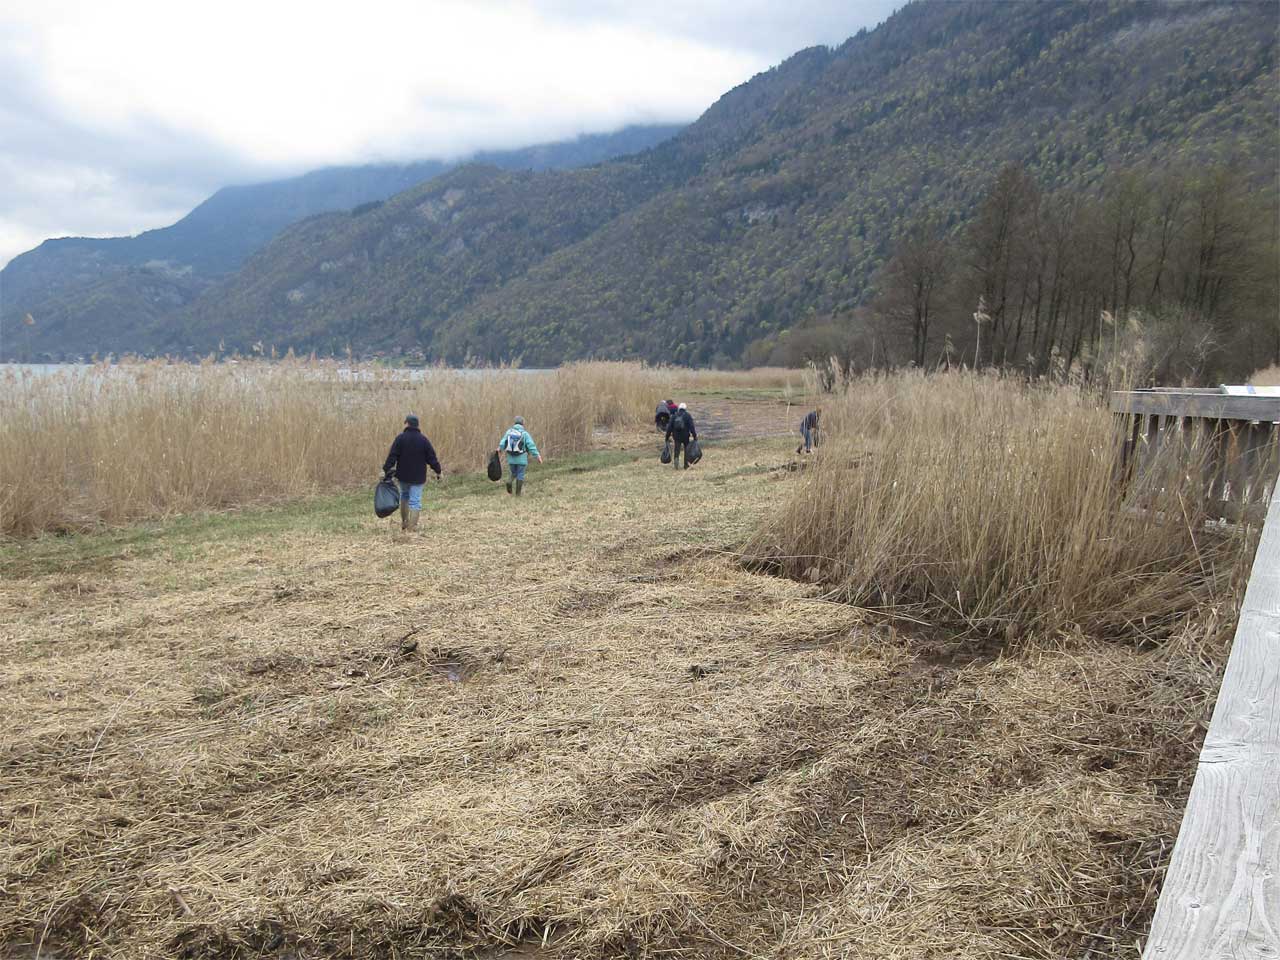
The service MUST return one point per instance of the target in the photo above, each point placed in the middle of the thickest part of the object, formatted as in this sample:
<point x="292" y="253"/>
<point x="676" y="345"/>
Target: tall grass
<point x="118" y="443"/>
<point x="983" y="502"/>
<point x="1266" y="377"/>
<point x="758" y="378"/>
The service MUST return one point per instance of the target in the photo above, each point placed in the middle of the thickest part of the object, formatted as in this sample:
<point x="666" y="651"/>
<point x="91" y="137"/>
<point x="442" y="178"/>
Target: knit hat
<point x="682" y="406"/>
<point x="520" y="421"/>
<point x="411" y="420"/>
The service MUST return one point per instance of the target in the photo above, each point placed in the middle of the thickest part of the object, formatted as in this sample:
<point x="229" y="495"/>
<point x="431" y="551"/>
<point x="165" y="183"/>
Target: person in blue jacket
<point x="411" y="454"/>
<point x="517" y="444"/>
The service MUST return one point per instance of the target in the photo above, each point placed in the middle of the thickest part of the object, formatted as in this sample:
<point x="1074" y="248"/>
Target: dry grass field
<point x="574" y="725"/>
<point x="116" y="443"/>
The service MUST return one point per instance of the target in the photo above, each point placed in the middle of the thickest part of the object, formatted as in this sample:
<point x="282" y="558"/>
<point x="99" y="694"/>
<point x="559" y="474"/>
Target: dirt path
<point x="570" y="720"/>
<point x="727" y="419"/>
<point x="721" y="419"/>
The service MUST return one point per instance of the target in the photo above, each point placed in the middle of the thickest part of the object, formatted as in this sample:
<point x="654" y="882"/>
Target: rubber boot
<point x="508" y="486"/>
<point x="413" y="519"/>
<point x="519" y="487"/>
<point x="404" y="514"/>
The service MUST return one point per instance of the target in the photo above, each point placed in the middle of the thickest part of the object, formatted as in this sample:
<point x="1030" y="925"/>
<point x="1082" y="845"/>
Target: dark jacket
<point x="411" y="454"/>
<point x="681" y="427"/>
<point x="810" y="420"/>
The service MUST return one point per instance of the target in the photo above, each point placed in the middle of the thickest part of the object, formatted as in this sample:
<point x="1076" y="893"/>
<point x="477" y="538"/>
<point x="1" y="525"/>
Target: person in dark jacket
<point x="809" y="430"/>
<point x="681" y="429"/>
<point x="662" y="416"/>
<point x="411" y="454"/>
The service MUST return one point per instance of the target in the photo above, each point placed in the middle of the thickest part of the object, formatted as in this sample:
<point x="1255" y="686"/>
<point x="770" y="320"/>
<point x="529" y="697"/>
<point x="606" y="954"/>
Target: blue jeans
<point x="808" y="438"/>
<point x="413" y="493"/>
<point x="517" y="470"/>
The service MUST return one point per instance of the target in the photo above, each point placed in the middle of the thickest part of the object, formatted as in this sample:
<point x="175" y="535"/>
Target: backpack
<point x="513" y="442"/>
<point x="679" y="422"/>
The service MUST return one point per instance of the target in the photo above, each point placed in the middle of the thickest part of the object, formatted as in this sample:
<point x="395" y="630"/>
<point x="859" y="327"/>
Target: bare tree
<point x="999" y="229"/>
<point x="915" y="277"/>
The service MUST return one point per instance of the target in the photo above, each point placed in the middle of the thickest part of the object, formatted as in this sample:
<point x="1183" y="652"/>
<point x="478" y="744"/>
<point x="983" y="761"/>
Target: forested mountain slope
<point x="918" y="114"/>
<point x="778" y="204"/>
<point x="781" y="201"/>
<point x="110" y="293"/>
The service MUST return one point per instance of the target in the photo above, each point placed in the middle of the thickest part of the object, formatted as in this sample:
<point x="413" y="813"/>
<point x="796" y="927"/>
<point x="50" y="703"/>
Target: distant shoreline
<point x="414" y="372"/>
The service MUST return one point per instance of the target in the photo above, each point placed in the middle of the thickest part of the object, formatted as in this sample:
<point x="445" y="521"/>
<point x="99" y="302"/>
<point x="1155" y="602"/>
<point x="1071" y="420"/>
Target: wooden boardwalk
<point x="1233" y="442"/>
<point x="1221" y="898"/>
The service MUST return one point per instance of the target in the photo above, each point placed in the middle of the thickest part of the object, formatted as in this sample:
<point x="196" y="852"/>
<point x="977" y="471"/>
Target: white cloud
<point x="771" y="28"/>
<point x="132" y="111"/>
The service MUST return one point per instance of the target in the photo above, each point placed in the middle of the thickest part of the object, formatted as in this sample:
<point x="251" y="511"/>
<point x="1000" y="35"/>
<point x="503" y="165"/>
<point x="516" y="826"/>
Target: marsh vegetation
<point x="602" y="727"/>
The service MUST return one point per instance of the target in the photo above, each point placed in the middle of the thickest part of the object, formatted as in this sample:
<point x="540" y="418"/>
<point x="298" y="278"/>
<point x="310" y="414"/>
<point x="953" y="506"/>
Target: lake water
<point x="40" y="369"/>
<point x="344" y="373"/>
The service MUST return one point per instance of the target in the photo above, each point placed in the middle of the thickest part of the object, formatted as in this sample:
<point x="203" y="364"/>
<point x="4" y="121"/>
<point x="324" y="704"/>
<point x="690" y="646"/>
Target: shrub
<point x="998" y="506"/>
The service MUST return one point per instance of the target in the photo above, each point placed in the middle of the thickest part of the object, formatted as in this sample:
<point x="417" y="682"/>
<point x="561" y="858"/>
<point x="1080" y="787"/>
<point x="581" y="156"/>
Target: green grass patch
<point x="183" y="536"/>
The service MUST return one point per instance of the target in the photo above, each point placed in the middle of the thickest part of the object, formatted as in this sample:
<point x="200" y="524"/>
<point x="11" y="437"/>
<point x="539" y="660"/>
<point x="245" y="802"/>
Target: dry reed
<point x="791" y="381"/>
<point x="1000" y="507"/>
<point x="117" y="443"/>
<point x="1266" y="377"/>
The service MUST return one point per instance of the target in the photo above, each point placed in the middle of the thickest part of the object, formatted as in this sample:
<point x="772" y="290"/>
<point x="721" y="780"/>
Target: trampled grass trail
<point x="570" y="723"/>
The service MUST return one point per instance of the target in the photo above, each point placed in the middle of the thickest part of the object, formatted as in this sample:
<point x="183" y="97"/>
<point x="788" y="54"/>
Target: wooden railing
<point x="1221" y="897"/>
<point x="1232" y="440"/>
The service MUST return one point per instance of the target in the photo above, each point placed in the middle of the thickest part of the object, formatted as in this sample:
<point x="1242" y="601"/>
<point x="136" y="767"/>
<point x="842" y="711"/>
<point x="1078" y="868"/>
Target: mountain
<point x="122" y="286"/>
<point x="778" y="204"/>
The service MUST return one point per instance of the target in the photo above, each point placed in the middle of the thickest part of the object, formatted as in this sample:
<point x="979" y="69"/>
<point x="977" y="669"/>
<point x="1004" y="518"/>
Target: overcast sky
<point x="117" y="116"/>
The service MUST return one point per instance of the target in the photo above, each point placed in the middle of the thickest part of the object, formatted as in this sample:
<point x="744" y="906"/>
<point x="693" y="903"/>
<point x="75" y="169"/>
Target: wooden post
<point x="1231" y="440"/>
<point x="1221" y="897"/>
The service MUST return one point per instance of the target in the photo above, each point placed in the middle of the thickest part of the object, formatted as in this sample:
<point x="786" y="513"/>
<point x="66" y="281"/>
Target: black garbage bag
<point x="386" y="498"/>
<point x="693" y="452"/>
<point x="495" y="466"/>
<point x="666" y="453"/>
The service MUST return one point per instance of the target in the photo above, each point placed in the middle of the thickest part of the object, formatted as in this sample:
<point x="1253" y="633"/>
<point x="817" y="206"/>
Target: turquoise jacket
<point x="529" y="446"/>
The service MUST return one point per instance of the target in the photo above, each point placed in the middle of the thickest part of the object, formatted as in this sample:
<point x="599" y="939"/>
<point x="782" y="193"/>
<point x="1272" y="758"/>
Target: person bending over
<point x="809" y="430"/>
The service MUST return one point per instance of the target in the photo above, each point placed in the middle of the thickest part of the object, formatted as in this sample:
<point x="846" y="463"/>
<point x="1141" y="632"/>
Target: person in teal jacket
<point x="517" y="444"/>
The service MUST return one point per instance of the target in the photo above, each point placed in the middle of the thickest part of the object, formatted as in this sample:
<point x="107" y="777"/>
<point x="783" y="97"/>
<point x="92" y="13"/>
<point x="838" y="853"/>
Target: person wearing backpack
<point x="411" y="454"/>
<point x="682" y="430"/>
<point x="517" y="444"/>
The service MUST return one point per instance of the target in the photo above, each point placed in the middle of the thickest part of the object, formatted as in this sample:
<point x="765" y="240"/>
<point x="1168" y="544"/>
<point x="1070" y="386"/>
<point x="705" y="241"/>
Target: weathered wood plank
<point x="1196" y="405"/>
<point x="1221" y="898"/>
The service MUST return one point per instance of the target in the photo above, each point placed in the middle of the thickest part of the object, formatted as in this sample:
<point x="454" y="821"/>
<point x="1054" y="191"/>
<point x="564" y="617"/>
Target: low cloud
<point x="768" y="28"/>
<point x="120" y="117"/>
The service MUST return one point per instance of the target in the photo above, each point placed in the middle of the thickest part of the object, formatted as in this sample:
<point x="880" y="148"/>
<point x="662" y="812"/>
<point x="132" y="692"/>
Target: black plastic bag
<point x="693" y="452"/>
<point x="666" y="453"/>
<point x="495" y="466"/>
<point x="386" y="498"/>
